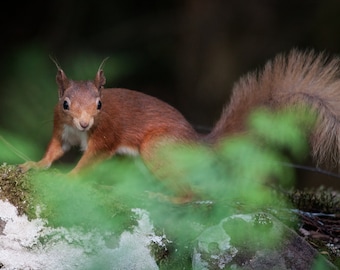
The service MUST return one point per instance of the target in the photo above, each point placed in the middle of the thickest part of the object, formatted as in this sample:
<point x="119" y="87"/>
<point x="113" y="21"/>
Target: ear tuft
<point x="61" y="79"/>
<point x="100" y="79"/>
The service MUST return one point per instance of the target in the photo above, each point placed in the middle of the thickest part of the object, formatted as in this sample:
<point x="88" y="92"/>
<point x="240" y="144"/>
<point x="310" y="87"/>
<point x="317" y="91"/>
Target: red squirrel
<point x="104" y="122"/>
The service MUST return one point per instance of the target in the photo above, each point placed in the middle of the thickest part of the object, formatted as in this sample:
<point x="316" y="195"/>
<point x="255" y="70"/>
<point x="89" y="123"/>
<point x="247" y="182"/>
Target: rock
<point x="254" y="241"/>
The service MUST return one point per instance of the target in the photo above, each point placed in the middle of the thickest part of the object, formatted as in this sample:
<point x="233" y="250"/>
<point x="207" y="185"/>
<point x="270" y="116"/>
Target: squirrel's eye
<point x="66" y="106"/>
<point x="99" y="105"/>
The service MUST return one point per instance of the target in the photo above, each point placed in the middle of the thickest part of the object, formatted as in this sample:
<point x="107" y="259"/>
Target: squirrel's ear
<point x="100" y="79"/>
<point x="61" y="79"/>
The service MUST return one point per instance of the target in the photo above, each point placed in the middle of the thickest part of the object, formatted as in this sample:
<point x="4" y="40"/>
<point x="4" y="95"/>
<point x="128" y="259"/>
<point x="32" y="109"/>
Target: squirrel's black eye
<point x="99" y="105"/>
<point x="66" y="106"/>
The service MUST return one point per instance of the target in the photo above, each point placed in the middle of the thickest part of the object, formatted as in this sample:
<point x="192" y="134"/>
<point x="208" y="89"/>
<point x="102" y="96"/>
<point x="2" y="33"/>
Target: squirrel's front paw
<point x="27" y="166"/>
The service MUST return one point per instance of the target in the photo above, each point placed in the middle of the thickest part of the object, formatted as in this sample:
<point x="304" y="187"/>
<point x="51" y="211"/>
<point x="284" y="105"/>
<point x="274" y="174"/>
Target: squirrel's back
<point x="296" y="78"/>
<point x="135" y="114"/>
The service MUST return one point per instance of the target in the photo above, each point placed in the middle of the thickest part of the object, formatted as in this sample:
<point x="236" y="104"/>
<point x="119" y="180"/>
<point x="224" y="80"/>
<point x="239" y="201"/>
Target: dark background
<point x="186" y="52"/>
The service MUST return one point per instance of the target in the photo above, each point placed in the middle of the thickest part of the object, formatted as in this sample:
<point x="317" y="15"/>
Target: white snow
<point x="32" y="244"/>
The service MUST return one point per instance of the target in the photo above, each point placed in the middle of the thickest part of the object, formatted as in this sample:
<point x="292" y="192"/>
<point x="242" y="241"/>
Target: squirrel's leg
<point x="91" y="156"/>
<point x="155" y="153"/>
<point x="54" y="151"/>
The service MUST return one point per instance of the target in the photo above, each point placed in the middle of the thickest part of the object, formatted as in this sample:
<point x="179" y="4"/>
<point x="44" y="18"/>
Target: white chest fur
<point x="74" y="137"/>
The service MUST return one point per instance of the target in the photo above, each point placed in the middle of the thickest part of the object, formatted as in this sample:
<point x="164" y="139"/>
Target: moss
<point x="16" y="188"/>
<point x="316" y="200"/>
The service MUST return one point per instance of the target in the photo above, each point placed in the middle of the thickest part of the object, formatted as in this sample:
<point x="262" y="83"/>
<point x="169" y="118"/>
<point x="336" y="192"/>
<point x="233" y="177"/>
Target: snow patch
<point x="31" y="244"/>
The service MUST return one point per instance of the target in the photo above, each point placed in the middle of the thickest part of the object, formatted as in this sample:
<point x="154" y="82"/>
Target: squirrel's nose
<point x="83" y="124"/>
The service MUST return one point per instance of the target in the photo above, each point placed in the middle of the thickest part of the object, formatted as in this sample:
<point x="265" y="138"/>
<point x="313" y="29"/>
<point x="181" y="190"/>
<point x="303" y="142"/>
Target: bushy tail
<point x="298" y="78"/>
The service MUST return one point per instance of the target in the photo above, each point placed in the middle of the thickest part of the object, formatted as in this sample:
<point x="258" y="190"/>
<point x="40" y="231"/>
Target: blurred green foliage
<point x="233" y="179"/>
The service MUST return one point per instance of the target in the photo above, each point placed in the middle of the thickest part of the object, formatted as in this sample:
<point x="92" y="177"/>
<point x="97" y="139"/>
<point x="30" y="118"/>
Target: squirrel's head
<point x="80" y="101"/>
